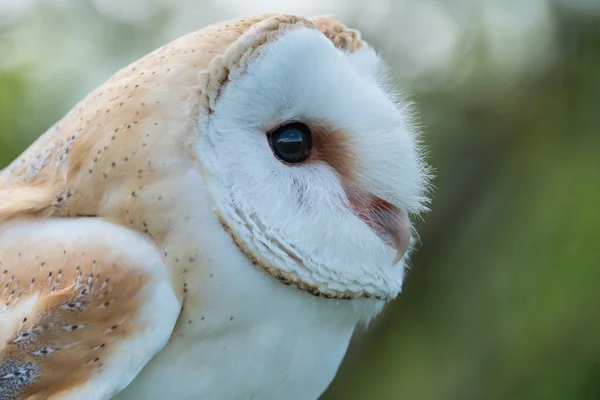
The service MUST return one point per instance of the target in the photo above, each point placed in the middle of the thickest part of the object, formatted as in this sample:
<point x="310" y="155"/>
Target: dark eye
<point x="291" y="143"/>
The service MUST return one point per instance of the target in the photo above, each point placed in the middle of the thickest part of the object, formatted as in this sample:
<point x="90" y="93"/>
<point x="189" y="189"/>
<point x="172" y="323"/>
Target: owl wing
<point x="84" y="305"/>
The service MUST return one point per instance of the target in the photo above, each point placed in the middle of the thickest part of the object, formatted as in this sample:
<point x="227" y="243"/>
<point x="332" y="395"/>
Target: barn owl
<point x="213" y="222"/>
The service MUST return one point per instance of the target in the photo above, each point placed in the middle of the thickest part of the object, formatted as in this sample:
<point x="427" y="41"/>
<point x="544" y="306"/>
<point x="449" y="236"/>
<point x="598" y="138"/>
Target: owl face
<point x="312" y="164"/>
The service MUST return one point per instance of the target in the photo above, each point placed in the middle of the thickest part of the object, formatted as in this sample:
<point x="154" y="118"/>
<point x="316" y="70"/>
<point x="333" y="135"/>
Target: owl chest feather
<point x="241" y="337"/>
<point x="253" y="341"/>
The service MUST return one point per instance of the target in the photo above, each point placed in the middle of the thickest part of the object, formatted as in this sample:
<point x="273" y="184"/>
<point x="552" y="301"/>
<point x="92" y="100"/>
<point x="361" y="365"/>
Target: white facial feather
<point x="297" y="217"/>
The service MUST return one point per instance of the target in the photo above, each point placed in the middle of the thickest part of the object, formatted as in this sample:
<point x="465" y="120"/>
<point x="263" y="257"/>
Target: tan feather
<point x="68" y="298"/>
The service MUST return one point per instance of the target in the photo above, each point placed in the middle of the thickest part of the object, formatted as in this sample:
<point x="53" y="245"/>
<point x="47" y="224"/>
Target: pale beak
<point x="388" y="221"/>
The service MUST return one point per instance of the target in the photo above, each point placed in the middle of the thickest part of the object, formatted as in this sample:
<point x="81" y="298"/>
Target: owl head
<point x="311" y="160"/>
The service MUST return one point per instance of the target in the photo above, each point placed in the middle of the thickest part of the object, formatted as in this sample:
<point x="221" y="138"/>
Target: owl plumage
<point x="155" y="243"/>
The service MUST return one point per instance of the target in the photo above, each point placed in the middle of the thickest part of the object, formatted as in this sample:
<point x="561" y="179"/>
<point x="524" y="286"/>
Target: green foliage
<point x="13" y="88"/>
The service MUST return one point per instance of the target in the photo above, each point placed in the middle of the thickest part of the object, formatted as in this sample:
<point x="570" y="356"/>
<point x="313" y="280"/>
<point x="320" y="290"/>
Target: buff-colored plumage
<point x="96" y="254"/>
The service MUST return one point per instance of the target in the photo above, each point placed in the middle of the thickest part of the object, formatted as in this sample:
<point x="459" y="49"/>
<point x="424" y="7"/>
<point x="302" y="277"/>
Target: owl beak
<point x="388" y="221"/>
<point x="397" y="225"/>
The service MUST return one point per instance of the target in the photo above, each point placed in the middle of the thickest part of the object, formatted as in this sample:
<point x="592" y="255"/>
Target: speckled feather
<point x="120" y="154"/>
<point x="84" y="301"/>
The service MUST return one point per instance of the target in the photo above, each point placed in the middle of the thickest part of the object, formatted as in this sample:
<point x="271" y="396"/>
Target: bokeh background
<point x="503" y="299"/>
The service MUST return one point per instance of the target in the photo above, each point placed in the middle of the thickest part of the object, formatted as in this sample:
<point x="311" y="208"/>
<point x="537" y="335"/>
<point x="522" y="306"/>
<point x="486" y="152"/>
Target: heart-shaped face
<point x="311" y="161"/>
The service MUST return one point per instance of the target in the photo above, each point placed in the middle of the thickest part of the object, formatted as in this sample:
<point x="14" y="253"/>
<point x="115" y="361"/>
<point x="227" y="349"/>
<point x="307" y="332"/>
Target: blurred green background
<point x="503" y="299"/>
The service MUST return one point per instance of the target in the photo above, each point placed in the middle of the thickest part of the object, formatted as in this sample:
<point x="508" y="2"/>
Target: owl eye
<point x="291" y="143"/>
